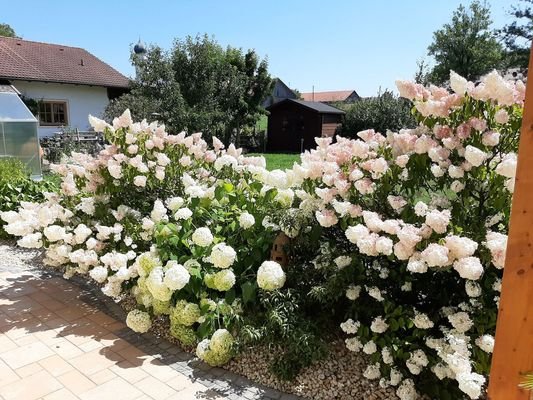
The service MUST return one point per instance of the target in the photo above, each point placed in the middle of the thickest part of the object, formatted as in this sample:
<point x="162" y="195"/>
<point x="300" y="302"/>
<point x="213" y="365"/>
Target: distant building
<point x="280" y="91"/>
<point x="69" y="83"/>
<point x="338" y="96"/>
<point x="294" y="124"/>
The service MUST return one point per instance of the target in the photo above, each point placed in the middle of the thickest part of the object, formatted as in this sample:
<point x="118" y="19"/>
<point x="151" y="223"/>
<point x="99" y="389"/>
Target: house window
<point x="53" y="113"/>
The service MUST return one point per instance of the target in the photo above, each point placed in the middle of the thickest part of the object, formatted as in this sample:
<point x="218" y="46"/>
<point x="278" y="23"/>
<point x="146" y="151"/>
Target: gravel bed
<point x="339" y="376"/>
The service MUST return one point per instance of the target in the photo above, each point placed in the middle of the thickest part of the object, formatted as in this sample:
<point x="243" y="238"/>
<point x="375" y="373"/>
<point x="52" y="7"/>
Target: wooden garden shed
<point x="294" y="124"/>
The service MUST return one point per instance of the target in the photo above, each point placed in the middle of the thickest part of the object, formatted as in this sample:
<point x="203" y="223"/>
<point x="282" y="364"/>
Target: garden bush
<point x="410" y="228"/>
<point x="17" y="186"/>
<point x="398" y="239"/>
<point x="383" y="112"/>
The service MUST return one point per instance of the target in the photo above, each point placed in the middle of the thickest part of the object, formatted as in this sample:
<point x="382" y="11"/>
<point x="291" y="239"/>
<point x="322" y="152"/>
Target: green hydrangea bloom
<point x="186" y="313"/>
<point x="183" y="333"/>
<point x="224" y="280"/>
<point x="145" y="263"/>
<point x="161" y="307"/>
<point x="218" y="350"/>
<point x="209" y="280"/>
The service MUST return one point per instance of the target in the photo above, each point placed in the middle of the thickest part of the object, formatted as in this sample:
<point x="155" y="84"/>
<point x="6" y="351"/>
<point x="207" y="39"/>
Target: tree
<point x="466" y="45"/>
<point x="154" y="93"/>
<point x="6" y="30"/>
<point x="381" y="113"/>
<point x="198" y="86"/>
<point x="518" y="34"/>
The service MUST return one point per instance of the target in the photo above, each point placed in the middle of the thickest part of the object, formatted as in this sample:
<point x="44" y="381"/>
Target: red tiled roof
<point x="336" y="95"/>
<point x="45" y="62"/>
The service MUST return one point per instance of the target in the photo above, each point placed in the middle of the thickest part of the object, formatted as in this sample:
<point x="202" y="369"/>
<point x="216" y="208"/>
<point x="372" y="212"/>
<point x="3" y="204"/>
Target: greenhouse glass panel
<point x="18" y="132"/>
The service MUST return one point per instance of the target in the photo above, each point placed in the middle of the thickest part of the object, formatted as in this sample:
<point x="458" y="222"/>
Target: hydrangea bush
<point x="181" y="227"/>
<point x="399" y="237"/>
<point x="410" y="228"/>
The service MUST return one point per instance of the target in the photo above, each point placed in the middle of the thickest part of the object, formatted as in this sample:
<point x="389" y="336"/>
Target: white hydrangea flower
<point x="202" y="237"/>
<point x="156" y="285"/>
<point x="224" y="280"/>
<point x="183" y="213"/>
<point x="469" y="268"/>
<point x="406" y="390"/>
<point x="395" y="377"/>
<point x="353" y="292"/>
<point x="246" y="220"/>
<point x="174" y="203"/>
<point x="485" y="343"/>
<point x="379" y="325"/>
<point x="342" y="261"/>
<point x="422" y="321"/>
<point x="350" y="326"/>
<point x="356" y="233"/>
<point x="222" y="255"/>
<point x="471" y="384"/>
<point x="386" y="356"/>
<point x="375" y="293"/>
<point x="139" y="181"/>
<point x="460" y="321"/>
<point x="31" y="241"/>
<point x="421" y="209"/>
<point x="473" y="289"/>
<point x="370" y="347"/>
<point x="460" y="247"/>
<point x="435" y="255"/>
<point x="475" y="156"/>
<point x="54" y="233"/>
<point x="372" y="372"/>
<point x="353" y="344"/>
<point x="270" y="276"/>
<point x="176" y="276"/>
<point x="99" y="274"/>
<point x="438" y="220"/>
<point x="159" y="212"/>
<point x="225" y="160"/>
<point x="139" y="321"/>
<point x="507" y="167"/>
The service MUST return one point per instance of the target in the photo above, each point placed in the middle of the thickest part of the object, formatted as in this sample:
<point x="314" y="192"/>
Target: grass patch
<point x="279" y="161"/>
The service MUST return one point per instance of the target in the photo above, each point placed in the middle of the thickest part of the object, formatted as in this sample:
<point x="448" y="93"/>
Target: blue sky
<point x="333" y="45"/>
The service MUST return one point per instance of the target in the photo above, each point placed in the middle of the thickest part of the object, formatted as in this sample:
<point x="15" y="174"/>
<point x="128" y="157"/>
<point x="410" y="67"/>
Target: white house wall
<point x="81" y="101"/>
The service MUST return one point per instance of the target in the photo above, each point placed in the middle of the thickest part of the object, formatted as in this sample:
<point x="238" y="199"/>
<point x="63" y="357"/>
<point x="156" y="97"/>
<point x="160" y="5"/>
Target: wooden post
<point x="513" y="351"/>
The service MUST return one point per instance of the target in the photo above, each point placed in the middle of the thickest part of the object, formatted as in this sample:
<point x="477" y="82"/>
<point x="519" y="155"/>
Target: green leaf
<point x="248" y="292"/>
<point x="230" y="296"/>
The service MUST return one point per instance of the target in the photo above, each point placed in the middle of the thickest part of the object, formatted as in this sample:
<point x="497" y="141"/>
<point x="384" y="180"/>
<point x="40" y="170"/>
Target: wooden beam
<point x="513" y="351"/>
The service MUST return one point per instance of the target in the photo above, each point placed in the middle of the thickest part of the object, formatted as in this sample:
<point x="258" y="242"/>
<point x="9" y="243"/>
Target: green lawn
<point x="279" y="161"/>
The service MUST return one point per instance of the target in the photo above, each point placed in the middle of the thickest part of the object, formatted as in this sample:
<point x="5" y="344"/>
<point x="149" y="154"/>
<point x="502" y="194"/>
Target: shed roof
<point x="45" y="62"/>
<point x="331" y="96"/>
<point x="313" y="105"/>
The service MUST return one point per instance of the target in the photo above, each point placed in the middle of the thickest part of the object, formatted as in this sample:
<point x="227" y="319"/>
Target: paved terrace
<point x="64" y="340"/>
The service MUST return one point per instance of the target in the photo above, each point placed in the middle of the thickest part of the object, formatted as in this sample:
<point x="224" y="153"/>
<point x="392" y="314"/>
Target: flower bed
<point x="399" y="238"/>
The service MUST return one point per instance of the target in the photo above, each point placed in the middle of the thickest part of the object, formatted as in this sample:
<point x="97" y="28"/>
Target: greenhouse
<point x="18" y="131"/>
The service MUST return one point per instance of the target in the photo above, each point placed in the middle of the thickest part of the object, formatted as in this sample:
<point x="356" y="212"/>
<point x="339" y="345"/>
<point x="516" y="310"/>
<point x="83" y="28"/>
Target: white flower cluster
<point x="270" y="276"/>
<point x="139" y="321"/>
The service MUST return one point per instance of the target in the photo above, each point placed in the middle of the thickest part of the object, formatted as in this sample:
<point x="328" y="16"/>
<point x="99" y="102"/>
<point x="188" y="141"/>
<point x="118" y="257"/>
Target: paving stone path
<point x="65" y="340"/>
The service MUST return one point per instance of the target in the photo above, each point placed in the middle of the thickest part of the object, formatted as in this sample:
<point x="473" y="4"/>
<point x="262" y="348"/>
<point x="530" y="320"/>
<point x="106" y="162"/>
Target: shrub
<point x="16" y="186"/>
<point x="411" y="228"/>
<point x="398" y="239"/>
<point x="381" y="113"/>
<point x="182" y="228"/>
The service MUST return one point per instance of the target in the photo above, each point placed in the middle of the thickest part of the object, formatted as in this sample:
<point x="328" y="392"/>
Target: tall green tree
<point x="466" y="45"/>
<point x="198" y="86"/>
<point x="518" y="34"/>
<point x="7" y="30"/>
